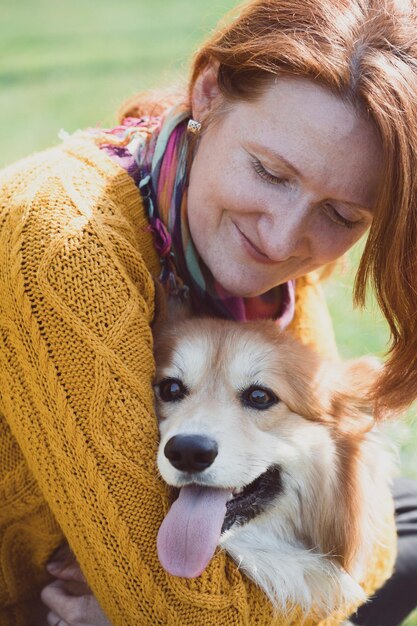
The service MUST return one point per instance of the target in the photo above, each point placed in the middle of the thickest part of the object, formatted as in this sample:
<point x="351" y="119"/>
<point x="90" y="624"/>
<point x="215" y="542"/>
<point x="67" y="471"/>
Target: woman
<point x="307" y="139"/>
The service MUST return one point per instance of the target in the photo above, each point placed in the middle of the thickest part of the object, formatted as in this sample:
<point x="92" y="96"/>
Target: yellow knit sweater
<point x="78" y="434"/>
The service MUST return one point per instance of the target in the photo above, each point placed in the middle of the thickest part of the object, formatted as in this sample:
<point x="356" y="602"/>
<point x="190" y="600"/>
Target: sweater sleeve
<point x="76" y="303"/>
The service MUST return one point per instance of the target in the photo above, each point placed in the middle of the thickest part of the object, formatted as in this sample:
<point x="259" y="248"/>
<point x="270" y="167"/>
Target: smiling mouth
<point x="253" y="246"/>
<point x="254" y="498"/>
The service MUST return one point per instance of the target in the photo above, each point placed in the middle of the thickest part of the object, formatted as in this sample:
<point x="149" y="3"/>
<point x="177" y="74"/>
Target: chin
<point x="274" y="458"/>
<point x="248" y="280"/>
<point x="244" y="284"/>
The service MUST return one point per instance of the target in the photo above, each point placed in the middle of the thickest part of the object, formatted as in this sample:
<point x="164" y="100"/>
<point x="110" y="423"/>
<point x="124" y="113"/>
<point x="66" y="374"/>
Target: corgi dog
<point x="276" y="459"/>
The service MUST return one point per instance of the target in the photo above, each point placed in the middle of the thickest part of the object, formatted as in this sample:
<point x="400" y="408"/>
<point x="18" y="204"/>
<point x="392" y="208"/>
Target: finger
<point x="53" y="620"/>
<point x="63" y="553"/>
<point x="54" y="597"/>
<point x="64" y="565"/>
<point x="57" y="594"/>
<point x="65" y="570"/>
<point x="73" y="587"/>
<point x="60" y="604"/>
<point x="72" y="609"/>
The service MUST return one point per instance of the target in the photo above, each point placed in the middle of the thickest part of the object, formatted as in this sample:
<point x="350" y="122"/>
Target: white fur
<point x="270" y="548"/>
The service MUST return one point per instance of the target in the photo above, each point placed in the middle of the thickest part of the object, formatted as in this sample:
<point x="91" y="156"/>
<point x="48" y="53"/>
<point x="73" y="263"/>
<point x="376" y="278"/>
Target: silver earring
<point x="193" y="127"/>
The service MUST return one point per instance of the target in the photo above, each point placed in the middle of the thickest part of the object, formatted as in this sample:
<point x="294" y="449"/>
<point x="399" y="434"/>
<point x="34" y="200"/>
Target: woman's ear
<point x="205" y="93"/>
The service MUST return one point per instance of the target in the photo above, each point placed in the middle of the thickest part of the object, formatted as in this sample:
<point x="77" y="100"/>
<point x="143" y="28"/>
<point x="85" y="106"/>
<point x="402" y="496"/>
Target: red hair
<point x="366" y="52"/>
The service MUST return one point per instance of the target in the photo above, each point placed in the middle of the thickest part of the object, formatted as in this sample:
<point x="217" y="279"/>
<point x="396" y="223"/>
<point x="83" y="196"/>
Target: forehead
<point x="232" y="357"/>
<point x="219" y="359"/>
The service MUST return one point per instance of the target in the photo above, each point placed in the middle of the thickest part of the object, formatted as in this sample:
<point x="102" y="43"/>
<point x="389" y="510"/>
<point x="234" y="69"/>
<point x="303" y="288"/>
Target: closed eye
<point x="266" y="175"/>
<point x="340" y="219"/>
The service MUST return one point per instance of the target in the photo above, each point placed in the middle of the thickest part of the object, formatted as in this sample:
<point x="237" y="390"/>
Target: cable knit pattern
<point x="77" y="428"/>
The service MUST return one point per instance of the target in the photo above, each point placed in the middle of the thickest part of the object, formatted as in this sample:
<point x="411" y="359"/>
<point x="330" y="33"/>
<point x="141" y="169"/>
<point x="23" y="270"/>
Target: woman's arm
<point x="76" y="302"/>
<point x="77" y="365"/>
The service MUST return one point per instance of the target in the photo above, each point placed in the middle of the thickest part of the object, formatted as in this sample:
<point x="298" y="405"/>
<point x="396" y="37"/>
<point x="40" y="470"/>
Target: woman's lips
<point x="252" y="250"/>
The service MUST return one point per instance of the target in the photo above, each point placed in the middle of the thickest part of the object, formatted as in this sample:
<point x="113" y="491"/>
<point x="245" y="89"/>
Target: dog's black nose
<point x="191" y="453"/>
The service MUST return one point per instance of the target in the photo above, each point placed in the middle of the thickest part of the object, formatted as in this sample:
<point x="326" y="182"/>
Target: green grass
<point x="70" y="65"/>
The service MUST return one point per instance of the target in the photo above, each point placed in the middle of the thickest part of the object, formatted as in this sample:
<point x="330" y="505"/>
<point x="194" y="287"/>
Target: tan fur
<point x="319" y="432"/>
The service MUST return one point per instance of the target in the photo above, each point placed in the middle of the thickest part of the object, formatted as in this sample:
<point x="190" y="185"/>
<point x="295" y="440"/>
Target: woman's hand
<point x="69" y="598"/>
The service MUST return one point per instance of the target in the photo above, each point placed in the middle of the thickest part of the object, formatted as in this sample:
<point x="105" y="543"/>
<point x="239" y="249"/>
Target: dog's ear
<point x="168" y="310"/>
<point x="351" y="403"/>
<point x="178" y="308"/>
<point x="339" y="529"/>
<point x="336" y="517"/>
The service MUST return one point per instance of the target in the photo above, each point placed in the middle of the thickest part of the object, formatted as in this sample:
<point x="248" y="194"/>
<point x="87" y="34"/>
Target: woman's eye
<point x="265" y="175"/>
<point x="339" y="219"/>
<point x="259" y="398"/>
<point x="171" y="390"/>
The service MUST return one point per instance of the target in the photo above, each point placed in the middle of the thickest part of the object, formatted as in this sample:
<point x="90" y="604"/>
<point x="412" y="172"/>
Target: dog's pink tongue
<point x="189" y="534"/>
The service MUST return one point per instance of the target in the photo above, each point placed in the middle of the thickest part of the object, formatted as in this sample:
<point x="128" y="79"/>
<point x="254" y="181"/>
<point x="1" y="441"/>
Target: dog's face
<point x="250" y="420"/>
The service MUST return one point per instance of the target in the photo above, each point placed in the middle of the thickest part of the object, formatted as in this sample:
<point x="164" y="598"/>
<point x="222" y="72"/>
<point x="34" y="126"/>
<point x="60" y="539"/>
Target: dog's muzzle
<point x="192" y="528"/>
<point x="192" y="454"/>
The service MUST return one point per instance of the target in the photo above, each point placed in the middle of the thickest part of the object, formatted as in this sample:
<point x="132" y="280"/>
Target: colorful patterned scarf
<point x="156" y="153"/>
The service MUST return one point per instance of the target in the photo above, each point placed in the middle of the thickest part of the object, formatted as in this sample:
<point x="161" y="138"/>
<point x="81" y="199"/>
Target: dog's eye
<point x="171" y="389"/>
<point x="258" y="398"/>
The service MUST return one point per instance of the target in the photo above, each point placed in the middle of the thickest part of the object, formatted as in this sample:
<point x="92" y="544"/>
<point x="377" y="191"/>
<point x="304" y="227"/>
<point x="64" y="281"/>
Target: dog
<point x="276" y="458"/>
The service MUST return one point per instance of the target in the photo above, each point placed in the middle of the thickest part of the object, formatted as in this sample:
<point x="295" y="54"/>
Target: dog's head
<point x="252" y="421"/>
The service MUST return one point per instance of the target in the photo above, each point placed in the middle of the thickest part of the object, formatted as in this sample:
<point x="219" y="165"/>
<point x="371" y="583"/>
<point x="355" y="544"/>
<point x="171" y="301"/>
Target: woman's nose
<point x="286" y="234"/>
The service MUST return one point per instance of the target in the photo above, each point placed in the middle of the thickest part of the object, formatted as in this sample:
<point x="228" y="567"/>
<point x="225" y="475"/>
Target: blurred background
<point x="70" y="64"/>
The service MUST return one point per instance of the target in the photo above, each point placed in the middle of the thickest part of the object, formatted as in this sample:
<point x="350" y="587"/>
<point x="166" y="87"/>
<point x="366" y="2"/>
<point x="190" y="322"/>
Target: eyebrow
<point x="291" y="167"/>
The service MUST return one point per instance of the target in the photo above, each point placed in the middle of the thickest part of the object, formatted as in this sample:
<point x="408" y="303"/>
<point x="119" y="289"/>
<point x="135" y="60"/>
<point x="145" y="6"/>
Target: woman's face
<point x="279" y="186"/>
